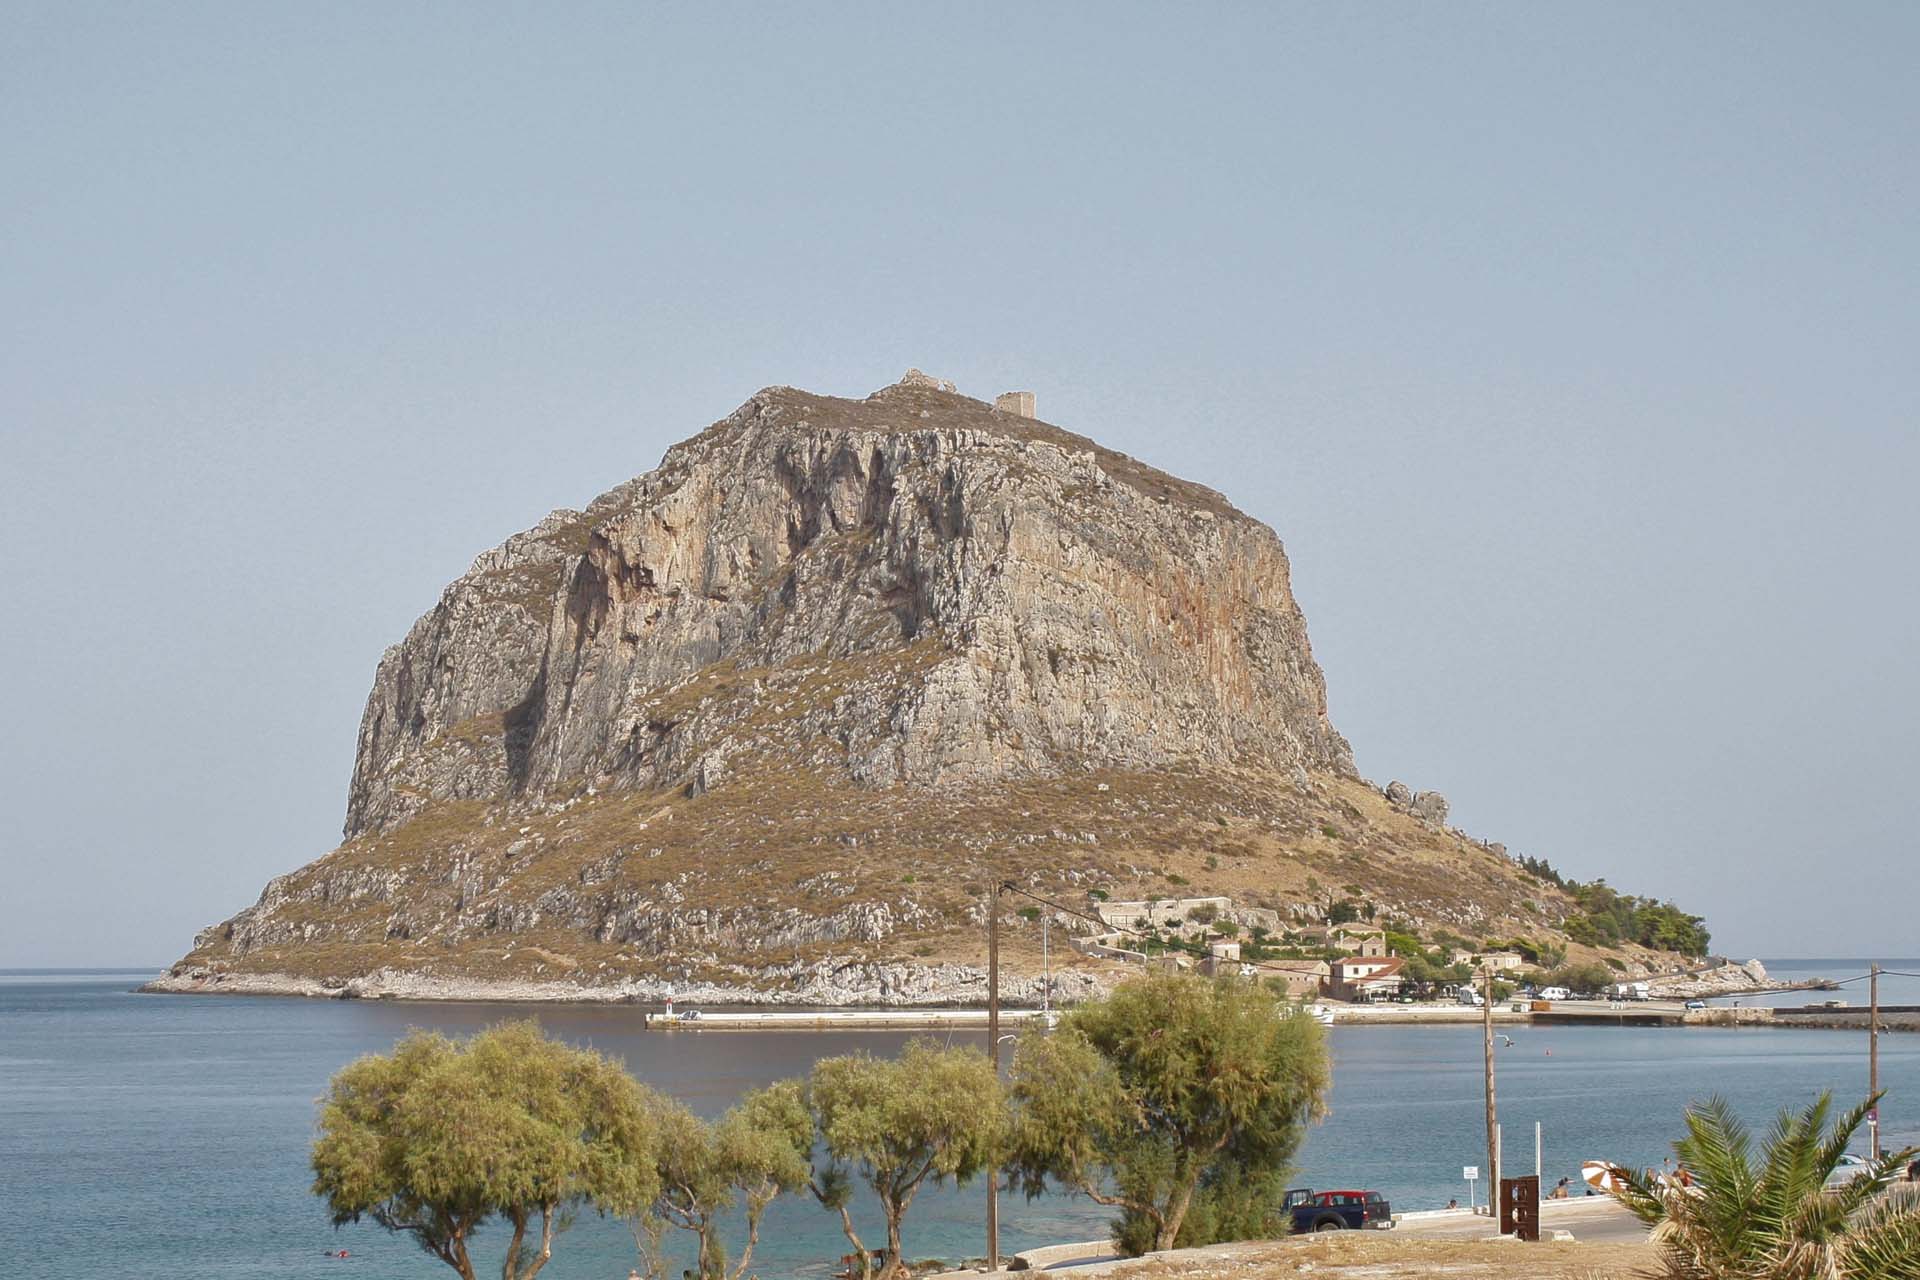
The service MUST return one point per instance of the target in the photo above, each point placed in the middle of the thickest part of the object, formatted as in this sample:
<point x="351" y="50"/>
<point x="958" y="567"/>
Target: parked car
<point x="1850" y="1167"/>
<point x="1554" y="993"/>
<point x="1696" y="1004"/>
<point x="1311" y="1210"/>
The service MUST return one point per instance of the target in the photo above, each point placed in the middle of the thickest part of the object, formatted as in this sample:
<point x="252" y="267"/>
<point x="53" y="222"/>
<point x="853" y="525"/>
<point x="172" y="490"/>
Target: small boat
<point x="1321" y="1014"/>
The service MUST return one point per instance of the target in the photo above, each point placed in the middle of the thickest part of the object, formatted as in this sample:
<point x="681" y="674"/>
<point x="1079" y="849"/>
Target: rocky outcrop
<point x="1429" y="807"/>
<point x="764" y="723"/>
<point x="1722" y="980"/>
<point x="993" y="596"/>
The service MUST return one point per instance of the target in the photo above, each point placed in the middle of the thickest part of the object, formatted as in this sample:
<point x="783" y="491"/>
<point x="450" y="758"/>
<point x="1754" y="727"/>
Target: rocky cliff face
<point x="768" y="718"/>
<point x="1002" y="597"/>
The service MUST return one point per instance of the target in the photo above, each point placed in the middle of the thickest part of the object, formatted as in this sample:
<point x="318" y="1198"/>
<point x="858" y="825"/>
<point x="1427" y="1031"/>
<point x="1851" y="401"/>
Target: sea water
<point x="159" y="1136"/>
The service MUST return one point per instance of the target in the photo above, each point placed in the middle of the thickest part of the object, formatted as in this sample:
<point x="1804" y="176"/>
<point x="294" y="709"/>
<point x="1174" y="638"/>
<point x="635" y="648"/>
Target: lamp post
<point x="1873" y="1057"/>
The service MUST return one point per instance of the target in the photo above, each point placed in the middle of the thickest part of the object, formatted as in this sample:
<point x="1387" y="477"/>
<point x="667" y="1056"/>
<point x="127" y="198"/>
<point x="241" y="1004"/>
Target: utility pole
<point x="1873" y="1057"/>
<point x="993" y="1047"/>
<point x="1046" y="972"/>
<point x="1493" y="1123"/>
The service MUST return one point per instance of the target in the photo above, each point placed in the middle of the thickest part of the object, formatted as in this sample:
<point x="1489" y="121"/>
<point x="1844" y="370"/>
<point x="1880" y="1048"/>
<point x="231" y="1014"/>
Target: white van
<point x="1553" y="993"/>
<point x="1471" y="998"/>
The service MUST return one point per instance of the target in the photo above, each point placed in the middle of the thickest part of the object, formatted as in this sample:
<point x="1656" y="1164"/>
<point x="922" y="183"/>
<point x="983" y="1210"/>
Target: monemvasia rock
<point x="917" y="599"/>
<point x="1061" y="606"/>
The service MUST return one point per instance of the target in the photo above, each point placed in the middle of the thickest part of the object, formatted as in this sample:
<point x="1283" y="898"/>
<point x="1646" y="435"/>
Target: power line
<point x="1860" y="977"/>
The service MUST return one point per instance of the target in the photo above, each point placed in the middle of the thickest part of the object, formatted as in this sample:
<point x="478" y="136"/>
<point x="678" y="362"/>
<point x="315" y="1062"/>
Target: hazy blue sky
<point x="1575" y="354"/>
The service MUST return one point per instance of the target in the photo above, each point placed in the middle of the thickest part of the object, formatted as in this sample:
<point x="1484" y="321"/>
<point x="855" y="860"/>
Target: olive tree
<point x="757" y="1151"/>
<point x="928" y="1116"/>
<point x="1178" y="1100"/>
<point x="438" y="1137"/>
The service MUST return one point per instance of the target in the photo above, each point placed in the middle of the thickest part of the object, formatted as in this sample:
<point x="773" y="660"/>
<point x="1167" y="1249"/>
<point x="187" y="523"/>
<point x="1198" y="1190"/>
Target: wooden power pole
<point x="1873" y="1056"/>
<point x="993" y="1048"/>
<point x="1493" y="1120"/>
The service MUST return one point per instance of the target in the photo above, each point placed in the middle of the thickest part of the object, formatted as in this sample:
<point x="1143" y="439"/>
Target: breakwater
<point x="841" y="1019"/>
<point x="1904" y="1017"/>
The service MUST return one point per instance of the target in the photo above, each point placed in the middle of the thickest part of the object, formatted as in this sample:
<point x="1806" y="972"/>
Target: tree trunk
<point x="649" y="1236"/>
<point x="462" y="1260"/>
<point x="753" y="1237"/>
<point x="859" y="1249"/>
<point x="1175" y="1215"/>
<point x="546" y="1243"/>
<point x="510" y="1269"/>
<point x="894" y="1265"/>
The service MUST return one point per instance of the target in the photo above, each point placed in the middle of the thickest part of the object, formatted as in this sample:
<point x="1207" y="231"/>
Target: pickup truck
<point x="1310" y="1210"/>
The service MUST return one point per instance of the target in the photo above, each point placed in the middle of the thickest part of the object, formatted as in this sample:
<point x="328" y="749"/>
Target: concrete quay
<point x="840" y="1019"/>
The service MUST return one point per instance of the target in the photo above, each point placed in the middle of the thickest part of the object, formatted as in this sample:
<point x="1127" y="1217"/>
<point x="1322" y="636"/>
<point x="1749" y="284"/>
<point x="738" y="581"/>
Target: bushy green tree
<point x="930" y="1115"/>
<point x="757" y="1151"/>
<point x="1608" y="917"/>
<point x="438" y="1137"/>
<point x="1574" y="977"/>
<point x="1738" y="1217"/>
<point x="1178" y="1100"/>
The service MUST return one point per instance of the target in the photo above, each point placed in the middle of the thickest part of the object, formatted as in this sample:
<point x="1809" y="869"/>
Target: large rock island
<point x="764" y="724"/>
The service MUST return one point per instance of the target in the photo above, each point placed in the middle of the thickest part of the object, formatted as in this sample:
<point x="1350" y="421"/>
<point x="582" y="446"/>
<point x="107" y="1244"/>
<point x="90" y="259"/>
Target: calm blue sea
<point x="160" y="1136"/>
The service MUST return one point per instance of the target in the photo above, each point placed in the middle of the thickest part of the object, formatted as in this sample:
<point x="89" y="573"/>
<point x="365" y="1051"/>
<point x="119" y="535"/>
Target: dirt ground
<point x="1354" y="1255"/>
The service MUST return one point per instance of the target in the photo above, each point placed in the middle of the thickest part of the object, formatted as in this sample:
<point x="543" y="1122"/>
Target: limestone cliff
<point x="1062" y="607"/>
<point x="782" y="702"/>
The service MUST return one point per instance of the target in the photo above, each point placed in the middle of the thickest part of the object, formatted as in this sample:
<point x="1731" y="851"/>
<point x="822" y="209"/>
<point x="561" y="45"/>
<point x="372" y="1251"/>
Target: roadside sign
<point x="1470" y="1173"/>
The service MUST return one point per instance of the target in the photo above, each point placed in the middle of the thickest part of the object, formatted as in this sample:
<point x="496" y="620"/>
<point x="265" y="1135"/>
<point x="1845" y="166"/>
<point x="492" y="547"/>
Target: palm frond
<point x="1772" y="1218"/>
<point x="1883" y="1242"/>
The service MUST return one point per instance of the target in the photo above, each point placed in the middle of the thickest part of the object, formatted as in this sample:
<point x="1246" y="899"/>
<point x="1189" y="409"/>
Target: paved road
<point x="1597" y="1218"/>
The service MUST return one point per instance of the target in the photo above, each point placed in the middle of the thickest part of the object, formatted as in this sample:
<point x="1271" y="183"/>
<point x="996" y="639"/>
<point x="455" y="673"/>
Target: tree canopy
<point x="438" y="1137"/>
<point x="930" y="1115"/>
<point x="1178" y="1100"/>
<point x="755" y="1152"/>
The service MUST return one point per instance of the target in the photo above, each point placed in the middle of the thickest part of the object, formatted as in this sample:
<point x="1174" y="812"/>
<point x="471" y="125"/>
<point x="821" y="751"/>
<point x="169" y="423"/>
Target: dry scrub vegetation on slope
<point x="781" y="867"/>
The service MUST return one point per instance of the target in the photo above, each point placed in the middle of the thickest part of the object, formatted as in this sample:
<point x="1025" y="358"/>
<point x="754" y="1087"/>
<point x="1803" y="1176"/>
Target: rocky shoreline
<point x="819" y="984"/>
<point x="824" y="984"/>
<point x="1726" y="980"/>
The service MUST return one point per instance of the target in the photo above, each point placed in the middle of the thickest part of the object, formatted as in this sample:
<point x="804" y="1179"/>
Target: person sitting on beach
<point x="1560" y="1191"/>
<point x="1453" y="1204"/>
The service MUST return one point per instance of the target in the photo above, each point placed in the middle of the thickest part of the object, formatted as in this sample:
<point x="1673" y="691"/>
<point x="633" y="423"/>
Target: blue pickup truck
<point x="1310" y="1210"/>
